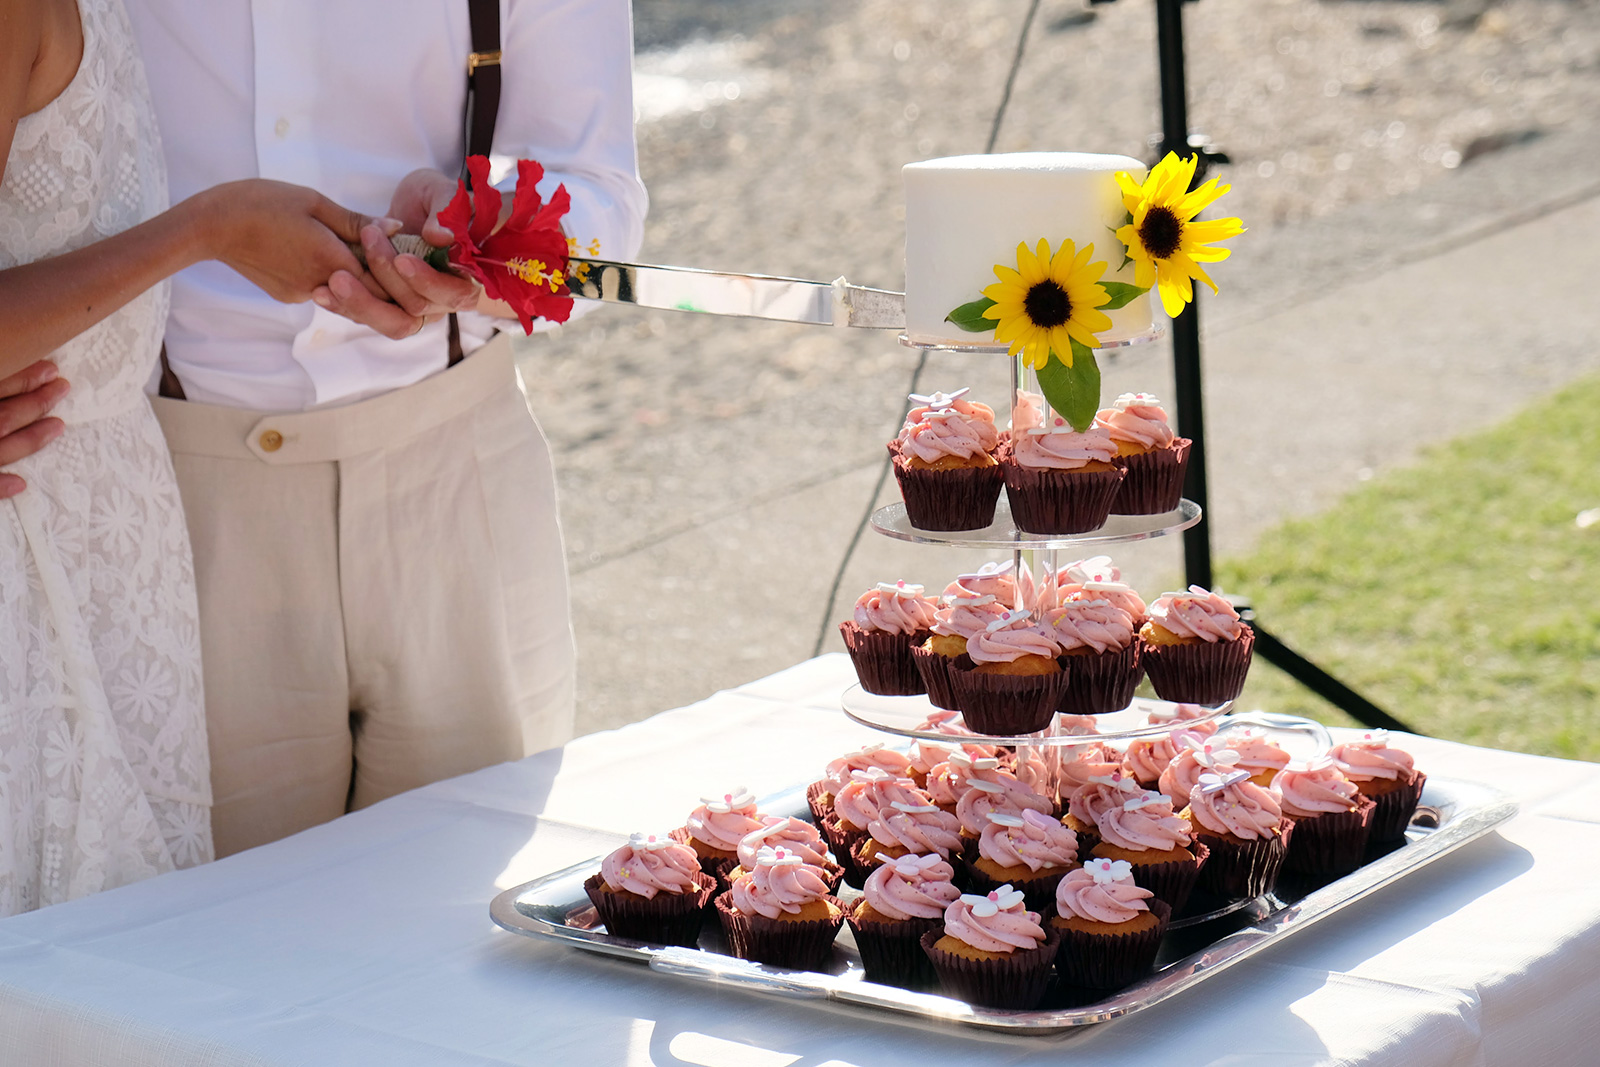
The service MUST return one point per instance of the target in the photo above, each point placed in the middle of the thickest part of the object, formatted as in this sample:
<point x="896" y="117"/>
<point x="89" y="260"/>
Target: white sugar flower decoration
<point x="1106" y="871"/>
<point x="1215" y="783"/>
<point x="767" y="856"/>
<point x="727" y="802"/>
<point x="650" y="842"/>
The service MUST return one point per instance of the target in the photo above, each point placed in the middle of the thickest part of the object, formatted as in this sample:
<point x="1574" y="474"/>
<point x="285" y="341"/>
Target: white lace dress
<point x="104" y="774"/>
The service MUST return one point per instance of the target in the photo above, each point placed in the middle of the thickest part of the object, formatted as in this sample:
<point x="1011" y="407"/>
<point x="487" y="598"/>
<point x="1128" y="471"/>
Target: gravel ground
<point x="772" y="136"/>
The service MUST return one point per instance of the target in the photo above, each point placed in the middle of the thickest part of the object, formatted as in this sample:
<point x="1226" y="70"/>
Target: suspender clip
<point x="482" y="59"/>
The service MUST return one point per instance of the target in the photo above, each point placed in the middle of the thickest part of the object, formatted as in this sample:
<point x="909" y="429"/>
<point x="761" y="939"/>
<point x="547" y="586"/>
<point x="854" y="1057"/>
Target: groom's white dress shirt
<point x="265" y="88"/>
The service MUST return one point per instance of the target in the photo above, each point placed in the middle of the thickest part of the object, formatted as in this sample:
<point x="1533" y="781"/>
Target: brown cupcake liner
<point x="1174" y="880"/>
<point x="1101" y="682"/>
<point x="1016" y="982"/>
<point x="1395" y="808"/>
<point x="814" y="794"/>
<point x="1005" y="704"/>
<point x="934" y="670"/>
<point x="961" y="499"/>
<point x="664" y="919"/>
<point x="1200" y="673"/>
<point x="800" y="945"/>
<point x="1110" y="961"/>
<point x="1059" y="502"/>
<point x="1332" y="843"/>
<point x="883" y="660"/>
<point x="1244" y="868"/>
<point x="842" y="840"/>
<point x="891" y="952"/>
<point x="1038" y="890"/>
<point x="1088" y="837"/>
<point x="1155" y="480"/>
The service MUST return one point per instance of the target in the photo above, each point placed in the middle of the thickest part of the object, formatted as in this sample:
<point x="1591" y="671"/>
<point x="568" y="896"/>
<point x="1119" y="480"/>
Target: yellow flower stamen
<point x="1048" y="302"/>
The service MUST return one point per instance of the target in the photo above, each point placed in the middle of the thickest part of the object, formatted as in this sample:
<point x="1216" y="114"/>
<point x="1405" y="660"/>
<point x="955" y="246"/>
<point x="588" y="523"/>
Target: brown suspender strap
<point x="483" y="106"/>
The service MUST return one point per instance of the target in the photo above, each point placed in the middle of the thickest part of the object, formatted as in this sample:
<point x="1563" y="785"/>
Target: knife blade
<point x="757" y="296"/>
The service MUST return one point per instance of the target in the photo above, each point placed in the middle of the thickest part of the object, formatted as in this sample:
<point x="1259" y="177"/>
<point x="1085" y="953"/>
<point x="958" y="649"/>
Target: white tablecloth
<point x="367" y="941"/>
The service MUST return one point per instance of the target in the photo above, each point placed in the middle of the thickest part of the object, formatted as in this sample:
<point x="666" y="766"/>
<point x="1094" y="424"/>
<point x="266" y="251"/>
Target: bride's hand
<point x="25" y="399"/>
<point x="286" y="239"/>
<point x="411" y="293"/>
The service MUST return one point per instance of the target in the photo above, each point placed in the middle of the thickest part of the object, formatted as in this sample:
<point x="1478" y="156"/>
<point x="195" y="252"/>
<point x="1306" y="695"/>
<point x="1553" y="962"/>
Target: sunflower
<point x="1165" y="243"/>
<point x="1048" y="302"/>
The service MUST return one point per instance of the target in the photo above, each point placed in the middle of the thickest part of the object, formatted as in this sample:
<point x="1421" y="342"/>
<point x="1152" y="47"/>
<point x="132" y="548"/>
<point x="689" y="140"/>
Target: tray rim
<point x="1485" y="808"/>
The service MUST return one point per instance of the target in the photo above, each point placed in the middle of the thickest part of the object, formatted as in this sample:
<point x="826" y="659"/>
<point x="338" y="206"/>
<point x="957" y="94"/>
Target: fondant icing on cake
<point x="965" y="214"/>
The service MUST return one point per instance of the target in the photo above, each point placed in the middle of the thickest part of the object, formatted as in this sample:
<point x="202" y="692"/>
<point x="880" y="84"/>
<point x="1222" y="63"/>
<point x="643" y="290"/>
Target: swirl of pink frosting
<point x="895" y="608"/>
<point x="1073" y="576"/>
<point x="1196" y="613"/>
<point x="992" y="579"/>
<point x="920" y="828"/>
<point x="1101" y="891"/>
<point x="1004" y="929"/>
<point x="1027" y="411"/>
<point x="1029" y="839"/>
<point x="946" y="784"/>
<point x="950" y="432"/>
<point x="1145" y="823"/>
<point x="1009" y="638"/>
<point x="1096" y="624"/>
<point x="1197" y="757"/>
<point x="773" y="890"/>
<point x="965" y="616"/>
<point x="646" y="866"/>
<point x="1119" y="595"/>
<point x="947" y="722"/>
<point x="796" y="835"/>
<point x="858" y="803"/>
<point x="1083" y="762"/>
<point x="980" y="415"/>
<point x="1147" y="757"/>
<point x="723" y="822"/>
<point x="837" y="774"/>
<point x="1062" y="449"/>
<point x="1239" y="807"/>
<point x="1003" y="794"/>
<point x="1317" y="788"/>
<point x="1370" y="757"/>
<point x="1137" y="418"/>
<point x="1100" y="793"/>
<point x="911" y="887"/>
<point x="1034" y="771"/>
<point x="1256" y="753"/>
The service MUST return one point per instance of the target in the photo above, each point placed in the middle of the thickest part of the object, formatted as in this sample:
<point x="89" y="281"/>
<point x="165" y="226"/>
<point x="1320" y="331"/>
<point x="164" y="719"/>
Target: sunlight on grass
<point x="1461" y="594"/>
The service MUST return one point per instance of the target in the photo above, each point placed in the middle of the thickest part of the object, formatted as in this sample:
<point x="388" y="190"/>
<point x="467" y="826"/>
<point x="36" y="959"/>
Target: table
<point x="368" y="941"/>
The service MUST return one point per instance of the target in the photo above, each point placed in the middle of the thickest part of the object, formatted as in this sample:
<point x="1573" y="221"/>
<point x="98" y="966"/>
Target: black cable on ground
<point x="922" y="359"/>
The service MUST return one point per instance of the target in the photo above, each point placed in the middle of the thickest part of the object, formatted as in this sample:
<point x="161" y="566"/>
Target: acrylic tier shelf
<point x="891" y="521"/>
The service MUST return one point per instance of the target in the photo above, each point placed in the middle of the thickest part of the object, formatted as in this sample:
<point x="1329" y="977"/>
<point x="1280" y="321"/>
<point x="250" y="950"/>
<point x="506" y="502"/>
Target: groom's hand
<point x="416" y="293"/>
<point x="25" y="399"/>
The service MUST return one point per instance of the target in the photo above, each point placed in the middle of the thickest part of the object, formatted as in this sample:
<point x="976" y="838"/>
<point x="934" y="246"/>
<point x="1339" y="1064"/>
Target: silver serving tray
<point x="1452" y="813"/>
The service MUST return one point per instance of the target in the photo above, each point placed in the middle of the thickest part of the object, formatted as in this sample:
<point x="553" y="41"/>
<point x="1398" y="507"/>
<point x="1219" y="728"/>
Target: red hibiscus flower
<point x="524" y="262"/>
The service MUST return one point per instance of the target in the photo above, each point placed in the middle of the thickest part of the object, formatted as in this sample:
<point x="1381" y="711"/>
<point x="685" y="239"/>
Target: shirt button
<point x="282" y="128"/>
<point x="271" y="441"/>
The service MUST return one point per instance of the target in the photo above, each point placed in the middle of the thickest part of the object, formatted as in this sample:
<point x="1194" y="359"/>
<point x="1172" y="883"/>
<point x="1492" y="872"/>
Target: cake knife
<point x="756" y="296"/>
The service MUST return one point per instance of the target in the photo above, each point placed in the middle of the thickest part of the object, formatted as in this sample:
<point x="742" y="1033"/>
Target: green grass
<point x="1459" y="593"/>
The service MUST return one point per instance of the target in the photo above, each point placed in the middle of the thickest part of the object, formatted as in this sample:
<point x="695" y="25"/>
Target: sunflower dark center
<point x="1047" y="304"/>
<point x="1161" y="232"/>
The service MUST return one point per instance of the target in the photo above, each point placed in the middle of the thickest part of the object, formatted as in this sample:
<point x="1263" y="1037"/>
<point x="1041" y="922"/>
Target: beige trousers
<point x="383" y="594"/>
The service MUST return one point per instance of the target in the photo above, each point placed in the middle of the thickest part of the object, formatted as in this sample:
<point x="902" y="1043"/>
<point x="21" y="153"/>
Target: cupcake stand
<point x="1207" y="938"/>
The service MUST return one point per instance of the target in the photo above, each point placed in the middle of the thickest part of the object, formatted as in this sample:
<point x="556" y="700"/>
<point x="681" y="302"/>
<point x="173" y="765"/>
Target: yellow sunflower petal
<point x="1061" y="262"/>
<point x="1129" y="236"/>
<point x="1027" y="266"/>
<point x="1204" y="231"/>
<point x="1007" y="275"/>
<point x="1082" y="335"/>
<point x="1144" y="272"/>
<point x="1199" y="199"/>
<point x="1093" y="319"/>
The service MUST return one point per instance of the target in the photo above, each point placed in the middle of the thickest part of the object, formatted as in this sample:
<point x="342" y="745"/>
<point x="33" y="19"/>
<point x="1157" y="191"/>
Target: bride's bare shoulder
<point x="41" y="45"/>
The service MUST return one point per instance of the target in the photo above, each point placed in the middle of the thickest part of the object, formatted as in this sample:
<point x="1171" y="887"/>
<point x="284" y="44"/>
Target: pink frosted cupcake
<point x="1244" y="827"/>
<point x="714" y="829"/>
<point x="889" y="620"/>
<point x="997" y="579"/>
<point x="1386" y="774"/>
<point x="901" y="901"/>
<point x="903" y="829"/>
<point x="1259" y="756"/>
<point x="1156" y="457"/>
<point x="855" y="808"/>
<point x="1196" y="648"/>
<point x="1010" y="682"/>
<point x="1100" y="650"/>
<point x="1060" y="481"/>
<point x="993" y="951"/>
<point x="1195" y="757"/>
<point x="651" y="889"/>
<point x="1118" y="594"/>
<point x="986" y="789"/>
<point x="1085" y="804"/>
<point x="781" y="913"/>
<point x="797" y="836"/>
<point x="837" y="775"/>
<point x="1144" y="832"/>
<point x="959" y="618"/>
<point x="945" y="465"/>
<point x="1110" y="927"/>
<point x="1030" y="852"/>
<point x="1148" y="757"/>
<point x="1332" y="820"/>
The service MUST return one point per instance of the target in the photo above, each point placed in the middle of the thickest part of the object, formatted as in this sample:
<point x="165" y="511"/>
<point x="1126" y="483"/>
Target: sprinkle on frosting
<point x="1196" y="613"/>
<point x="996" y="922"/>
<point x="1031" y="839"/>
<point x="1231" y="803"/>
<point x="911" y="887"/>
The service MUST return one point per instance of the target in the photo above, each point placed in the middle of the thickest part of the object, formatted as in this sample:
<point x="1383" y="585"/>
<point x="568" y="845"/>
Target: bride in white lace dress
<point x="104" y="775"/>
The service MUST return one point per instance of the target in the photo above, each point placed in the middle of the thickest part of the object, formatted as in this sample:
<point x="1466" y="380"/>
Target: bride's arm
<point x="286" y="239"/>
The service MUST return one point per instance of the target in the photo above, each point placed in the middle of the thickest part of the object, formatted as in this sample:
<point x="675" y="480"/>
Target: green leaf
<point x="1122" y="294"/>
<point x="969" y="317"/>
<point x="1073" y="391"/>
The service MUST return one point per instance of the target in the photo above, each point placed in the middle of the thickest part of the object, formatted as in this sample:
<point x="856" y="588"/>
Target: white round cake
<point x="965" y="214"/>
